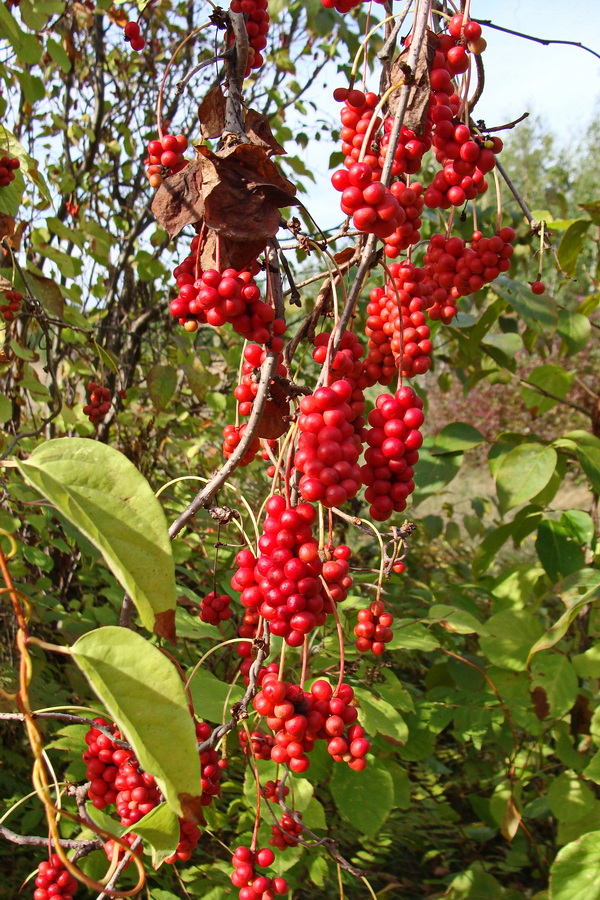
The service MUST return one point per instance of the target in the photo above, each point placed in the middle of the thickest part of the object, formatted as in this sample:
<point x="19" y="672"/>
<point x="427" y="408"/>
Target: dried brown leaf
<point x="418" y="99"/>
<point x="275" y="418"/>
<point x="178" y="201"/>
<point x="211" y="113"/>
<point x="540" y="702"/>
<point x="7" y="226"/>
<point x="118" y="15"/>
<point x="259" y="132"/>
<point x="231" y="254"/>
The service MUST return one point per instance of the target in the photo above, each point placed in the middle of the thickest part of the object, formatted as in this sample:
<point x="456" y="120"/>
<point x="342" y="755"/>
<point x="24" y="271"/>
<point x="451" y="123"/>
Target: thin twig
<point x="530" y="37"/>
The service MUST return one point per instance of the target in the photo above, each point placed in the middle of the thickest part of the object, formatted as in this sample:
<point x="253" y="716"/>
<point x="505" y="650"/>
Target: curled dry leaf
<point x="211" y="113"/>
<point x="232" y="254"/>
<point x="418" y="101"/>
<point x="7" y="226"/>
<point x="259" y="132"/>
<point x="118" y="15"/>
<point x="275" y="418"/>
<point x="238" y="194"/>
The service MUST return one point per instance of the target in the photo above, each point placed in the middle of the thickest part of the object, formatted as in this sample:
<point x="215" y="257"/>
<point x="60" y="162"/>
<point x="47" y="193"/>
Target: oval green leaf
<point x="523" y="473"/>
<point x="574" y="873"/>
<point x="144" y="695"/>
<point x="102" y="493"/>
<point x="364" y="802"/>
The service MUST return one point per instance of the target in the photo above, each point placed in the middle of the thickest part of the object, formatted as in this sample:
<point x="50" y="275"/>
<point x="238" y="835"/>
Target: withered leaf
<point x="418" y="99"/>
<point x="237" y="193"/>
<point x="259" y="131"/>
<point x="540" y="702"/>
<point x="118" y="15"/>
<point x="275" y="418"/>
<point x="7" y="226"/>
<point x="211" y="113"/>
<point x="231" y="254"/>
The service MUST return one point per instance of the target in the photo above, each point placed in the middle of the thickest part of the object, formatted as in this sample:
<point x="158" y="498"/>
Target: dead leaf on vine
<point x="118" y="15"/>
<point x="540" y="702"/>
<point x="7" y="226"/>
<point x="231" y="254"/>
<point x="344" y="255"/>
<point x="237" y="193"/>
<point x="275" y="418"/>
<point x="259" y="131"/>
<point x="83" y="16"/>
<point x="418" y="100"/>
<point x="211" y="113"/>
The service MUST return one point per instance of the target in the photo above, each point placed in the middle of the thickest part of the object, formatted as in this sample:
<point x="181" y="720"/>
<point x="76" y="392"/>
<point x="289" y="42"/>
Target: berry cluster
<point x="53" y="881"/>
<point x="253" y="885"/>
<point x="261" y="744"/>
<point x="356" y="115"/>
<point x="8" y="164"/>
<point x="257" y="28"/>
<point x="232" y="435"/>
<point x="456" y="270"/>
<point x="215" y="608"/>
<point x="270" y="791"/>
<point x="328" y="447"/>
<point x="373" y="631"/>
<point x="411" y="204"/>
<point x="10" y="309"/>
<point x="299" y="718"/>
<point x="410" y="150"/>
<point x="394" y="440"/>
<point x="99" y="402"/>
<point x="165" y="157"/>
<point x="286" y="833"/>
<point x="219" y="297"/>
<point x="133" y="35"/>
<point x="101" y="769"/>
<point x="188" y="840"/>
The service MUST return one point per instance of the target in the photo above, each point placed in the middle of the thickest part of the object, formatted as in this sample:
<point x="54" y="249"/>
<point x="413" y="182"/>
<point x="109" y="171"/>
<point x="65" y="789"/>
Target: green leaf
<point x="102" y="493"/>
<point x="589" y="460"/>
<point x="523" y="473"/>
<point x="579" y="525"/>
<point x="559" y="553"/>
<point x="212" y="698"/>
<point x="143" y="693"/>
<point x="474" y="885"/>
<point x="59" y="55"/>
<point x="162" y="381"/>
<point x="161" y="830"/>
<point x="569" y="797"/>
<point x="456" y="620"/>
<point x="5" y="409"/>
<point x="379" y="717"/>
<point x="512" y="634"/>
<point x="574" y="329"/>
<point x="555" y="674"/>
<point x="571" y="245"/>
<point x="434" y="472"/>
<point x="538" y="311"/>
<point x="576" y="591"/>
<point x="413" y="637"/>
<point x="48" y="293"/>
<point x="365" y="802"/>
<point x="456" y="437"/>
<point x="553" y="379"/>
<point x="108" y="358"/>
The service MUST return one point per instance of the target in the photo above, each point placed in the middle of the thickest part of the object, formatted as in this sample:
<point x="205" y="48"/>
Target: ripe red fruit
<point x="537" y="287"/>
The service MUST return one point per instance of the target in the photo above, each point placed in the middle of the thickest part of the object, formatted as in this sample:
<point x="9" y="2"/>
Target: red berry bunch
<point x="346" y="360"/>
<point x="112" y="848"/>
<point x="286" y="833"/>
<point x="257" y="27"/>
<point x="284" y="588"/>
<point x="188" y="840"/>
<point x="411" y="203"/>
<point x="9" y="310"/>
<point x="53" y="881"/>
<point x="355" y="116"/>
<point x="219" y="297"/>
<point x="232" y="435"/>
<point x="211" y="766"/>
<point x="254" y="356"/>
<point x="328" y="446"/>
<point x="101" y="769"/>
<point x="138" y="793"/>
<point x="299" y="718"/>
<point x="459" y="270"/>
<point x="261" y="744"/>
<point x="410" y="150"/>
<point x="394" y="440"/>
<point x="373" y="630"/>
<point x="373" y="207"/>
<point x="397" y="326"/>
<point x="270" y="791"/>
<point x="165" y="157"/>
<point x="99" y="402"/>
<point x="254" y="886"/>
<point x="133" y="35"/>
<point x="8" y="164"/>
<point x="215" y="608"/>
<point x="343" y="6"/>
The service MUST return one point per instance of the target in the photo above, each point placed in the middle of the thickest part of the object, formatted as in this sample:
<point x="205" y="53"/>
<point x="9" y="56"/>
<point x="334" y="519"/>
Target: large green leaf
<point x="539" y="312"/>
<point x="162" y="381"/>
<point x="511" y="634"/>
<point x="571" y="245"/>
<point x="379" y="717"/>
<point x="160" y="829"/>
<point x="212" y="698"/>
<point x="574" y="872"/>
<point x="574" y="329"/>
<point x="553" y="379"/>
<point x="556" y="676"/>
<point x="143" y="693"/>
<point x="365" y="799"/>
<point x="576" y="591"/>
<point x="559" y="552"/>
<point x="102" y="493"/>
<point x="523" y="473"/>
<point x="456" y="437"/>
<point x="589" y="459"/>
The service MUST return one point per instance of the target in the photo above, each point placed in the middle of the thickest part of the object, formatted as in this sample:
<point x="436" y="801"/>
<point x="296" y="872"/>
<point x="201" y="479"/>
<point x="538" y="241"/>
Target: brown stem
<point x="33" y="840"/>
